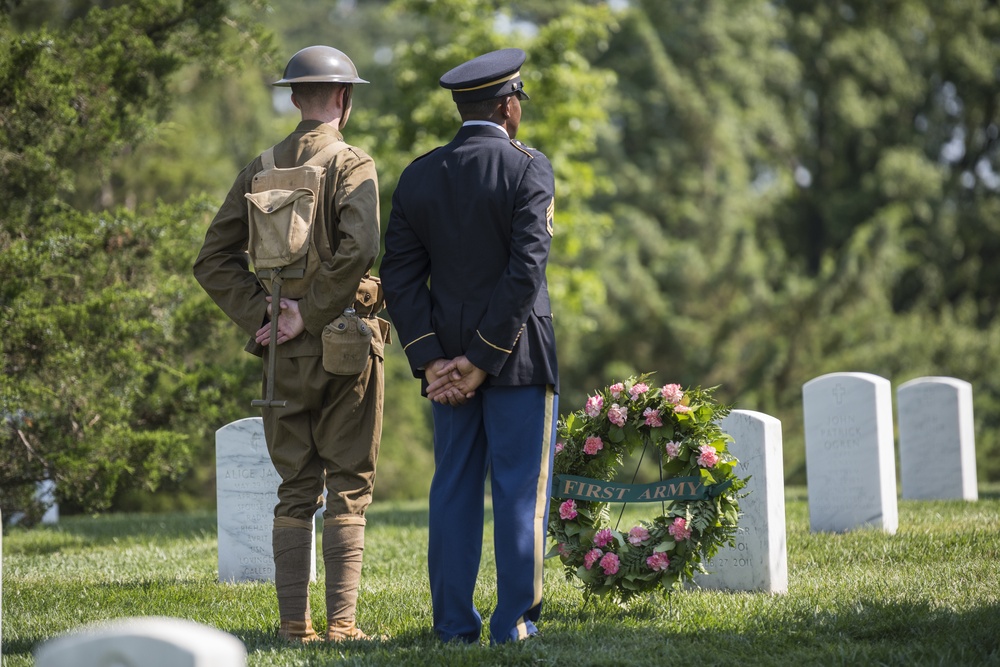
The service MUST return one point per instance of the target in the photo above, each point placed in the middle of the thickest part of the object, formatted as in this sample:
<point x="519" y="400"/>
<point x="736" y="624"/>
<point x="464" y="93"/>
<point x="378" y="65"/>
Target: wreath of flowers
<point x="682" y="426"/>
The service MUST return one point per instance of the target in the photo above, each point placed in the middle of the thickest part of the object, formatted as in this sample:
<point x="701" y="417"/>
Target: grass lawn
<point x="929" y="595"/>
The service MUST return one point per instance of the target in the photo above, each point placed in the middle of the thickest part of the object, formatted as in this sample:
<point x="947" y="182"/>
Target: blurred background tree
<point x="114" y="366"/>
<point x="748" y="194"/>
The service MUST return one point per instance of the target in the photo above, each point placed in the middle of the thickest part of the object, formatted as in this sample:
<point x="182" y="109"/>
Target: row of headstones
<point x="850" y="474"/>
<point x="247" y="491"/>
<point x="850" y="453"/>
<point x="850" y="466"/>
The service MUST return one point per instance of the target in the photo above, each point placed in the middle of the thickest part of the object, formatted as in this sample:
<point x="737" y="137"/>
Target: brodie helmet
<point x="319" y="64"/>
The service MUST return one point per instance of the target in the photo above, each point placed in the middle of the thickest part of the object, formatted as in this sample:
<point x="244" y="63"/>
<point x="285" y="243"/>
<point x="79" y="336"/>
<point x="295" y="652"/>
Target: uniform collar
<point x="484" y="127"/>
<point x="318" y="126"/>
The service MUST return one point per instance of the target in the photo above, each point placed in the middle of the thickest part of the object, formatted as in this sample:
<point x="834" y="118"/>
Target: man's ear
<point x="295" y="101"/>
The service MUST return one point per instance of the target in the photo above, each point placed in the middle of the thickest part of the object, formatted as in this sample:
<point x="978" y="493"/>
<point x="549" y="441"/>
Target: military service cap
<point x="493" y="74"/>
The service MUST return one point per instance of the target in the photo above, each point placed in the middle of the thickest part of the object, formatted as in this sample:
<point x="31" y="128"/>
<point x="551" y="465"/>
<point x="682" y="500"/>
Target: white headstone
<point x="759" y="560"/>
<point x="850" y="462"/>
<point x="246" y="493"/>
<point x="144" y="642"/>
<point x="937" y="445"/>
<point x="45" y="493"/>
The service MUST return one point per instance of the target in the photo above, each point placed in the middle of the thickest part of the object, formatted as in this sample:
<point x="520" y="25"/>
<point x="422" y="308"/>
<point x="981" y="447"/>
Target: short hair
<point x="480" y="110"/>
<point x="316" y="93"/>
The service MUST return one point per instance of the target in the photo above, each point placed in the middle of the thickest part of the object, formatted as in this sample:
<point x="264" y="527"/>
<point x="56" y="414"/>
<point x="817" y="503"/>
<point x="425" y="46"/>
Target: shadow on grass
<point x="412" y="514"/>
<point x="21" y="646"/>
<point x="991" y="493"/>
<point x="415" y="516"/>
<point x="872" y="629"/>
<point x="860" y="632"/>
<point x="84" y="531"/>
<point x="257" y="639"/>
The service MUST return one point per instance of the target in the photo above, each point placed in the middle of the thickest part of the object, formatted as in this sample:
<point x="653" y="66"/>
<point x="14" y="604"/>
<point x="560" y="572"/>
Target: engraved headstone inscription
<point x="759" y="561"/>
<point x="850" y="462"/>
<point x="246" y="493"/>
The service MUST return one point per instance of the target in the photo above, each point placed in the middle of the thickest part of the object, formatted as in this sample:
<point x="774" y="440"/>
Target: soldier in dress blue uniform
<point x="464" y="276"/>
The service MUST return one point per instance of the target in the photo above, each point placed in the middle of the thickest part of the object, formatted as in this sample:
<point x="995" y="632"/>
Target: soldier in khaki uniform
<point x="329" y="431"/>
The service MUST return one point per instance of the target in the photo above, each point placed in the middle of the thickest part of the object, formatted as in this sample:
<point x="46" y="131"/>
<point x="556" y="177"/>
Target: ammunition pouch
<point x="369" y="299"/>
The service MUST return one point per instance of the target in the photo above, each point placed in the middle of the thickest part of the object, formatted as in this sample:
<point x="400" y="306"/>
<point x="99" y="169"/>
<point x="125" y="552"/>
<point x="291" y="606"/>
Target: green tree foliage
<point x="809" y="187"/>
<point x="748" y="194"/>
<point x="898" y="223"/>
<point x="569" y="112"/>
<point x="698" y="163"/>
<point x="101" y="328"/>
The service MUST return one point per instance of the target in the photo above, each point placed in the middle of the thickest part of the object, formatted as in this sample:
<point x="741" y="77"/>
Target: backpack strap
<point x="325" y="154"/>
<point x="267" y="157"/>
<point x="323" y="158"/>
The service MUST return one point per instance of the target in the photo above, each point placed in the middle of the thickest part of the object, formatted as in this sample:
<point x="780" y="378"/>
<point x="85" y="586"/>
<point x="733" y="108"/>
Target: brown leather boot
<point x="300" y="632"/>
<point x="338" y="631"/>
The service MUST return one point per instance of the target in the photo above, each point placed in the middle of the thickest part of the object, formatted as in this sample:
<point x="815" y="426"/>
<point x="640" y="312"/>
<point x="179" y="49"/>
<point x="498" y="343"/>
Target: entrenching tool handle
<point x="268" y="400"/>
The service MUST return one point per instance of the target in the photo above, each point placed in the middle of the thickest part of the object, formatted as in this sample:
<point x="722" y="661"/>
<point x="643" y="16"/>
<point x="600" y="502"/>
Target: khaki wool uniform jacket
<point x="353" y="228"/>
<point x="332" y="423"/>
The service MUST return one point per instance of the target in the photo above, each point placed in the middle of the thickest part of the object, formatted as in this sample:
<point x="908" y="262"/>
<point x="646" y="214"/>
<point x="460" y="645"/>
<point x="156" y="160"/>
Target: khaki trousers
<point x="329" y="432"/>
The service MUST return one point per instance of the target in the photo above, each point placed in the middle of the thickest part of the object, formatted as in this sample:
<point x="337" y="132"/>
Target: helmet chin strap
<point x="348" y="93"/>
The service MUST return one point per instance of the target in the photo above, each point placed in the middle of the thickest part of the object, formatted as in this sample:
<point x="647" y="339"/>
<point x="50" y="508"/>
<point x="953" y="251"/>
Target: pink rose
<point x="603" y="537"/>
<point x="567" y="510"/>
<point x="594" y="405"/>
<point x="637" y="536"/>
<point x="658" y="562"/>
<point x="592" y="445"/>
<point x="610" y="564"/>
<point x="681" y="409"/>
<point x="679" y="530"/>
<point x="652" y="417"/>
<point x="561" y="547"/>
<point x="638" y="390"/>
<point x="560" y="447"/>
<point x="708" y="457"/>
<point x="672" y="393"/>
<point x="592" y="557"/>
<point x="617" y="415"/>
<point x="673" y="449"/>
<point x="616" y="389"/>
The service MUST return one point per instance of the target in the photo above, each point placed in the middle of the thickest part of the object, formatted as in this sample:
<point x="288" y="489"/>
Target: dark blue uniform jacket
<point x="465" y="254"/>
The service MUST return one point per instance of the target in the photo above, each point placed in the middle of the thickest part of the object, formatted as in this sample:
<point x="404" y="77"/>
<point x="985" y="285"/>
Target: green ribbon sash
<point x="595" y="490"/>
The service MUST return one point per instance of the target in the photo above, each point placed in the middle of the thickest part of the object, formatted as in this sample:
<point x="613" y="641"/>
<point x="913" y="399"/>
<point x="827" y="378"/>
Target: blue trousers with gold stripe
<point x="509" y="432"/>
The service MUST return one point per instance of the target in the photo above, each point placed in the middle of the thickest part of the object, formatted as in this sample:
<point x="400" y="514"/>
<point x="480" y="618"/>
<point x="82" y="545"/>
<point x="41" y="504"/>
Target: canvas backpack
<point x="288" y="236"/>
